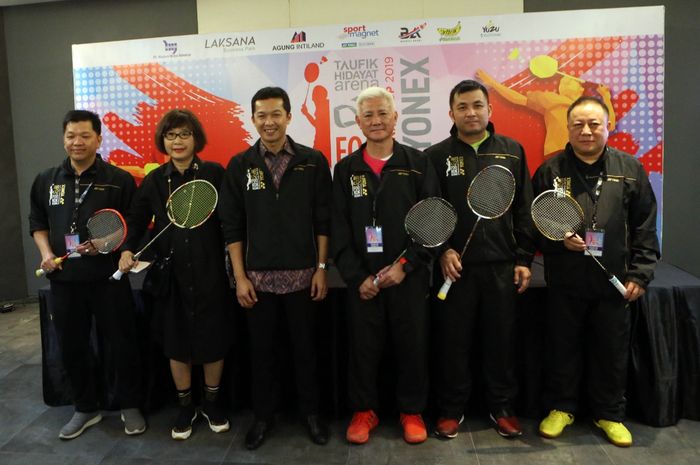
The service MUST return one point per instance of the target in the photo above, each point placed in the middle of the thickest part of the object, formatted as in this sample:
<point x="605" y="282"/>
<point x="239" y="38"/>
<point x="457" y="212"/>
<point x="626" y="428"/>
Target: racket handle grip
<point x="442" y="293"/>
<point x="376" y="280"/>
<point x="116" y="276"/>
<point x="618" y="285"/>
<point x="41" y="272"/>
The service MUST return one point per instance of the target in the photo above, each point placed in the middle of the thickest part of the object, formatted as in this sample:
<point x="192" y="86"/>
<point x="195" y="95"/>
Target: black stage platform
<point x="664" y="369"/>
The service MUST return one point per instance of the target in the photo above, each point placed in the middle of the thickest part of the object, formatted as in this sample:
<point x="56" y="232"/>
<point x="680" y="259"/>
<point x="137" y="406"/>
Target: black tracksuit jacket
<point x="360" y="199"/>
<point x="277" y="226"/>
<point x="508" y="238"/>
<point x="626" y="212"/>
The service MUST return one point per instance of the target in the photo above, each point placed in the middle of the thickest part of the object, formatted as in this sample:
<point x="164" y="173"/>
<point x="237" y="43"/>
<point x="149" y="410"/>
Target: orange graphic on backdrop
<point x="536" y="99"/>
<point x="321" y="119"/>
<point x="220" y="117"/>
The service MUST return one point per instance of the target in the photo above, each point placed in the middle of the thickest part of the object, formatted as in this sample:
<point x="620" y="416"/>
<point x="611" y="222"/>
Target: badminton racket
<point x="429" y="223"/>
<point x="188" y="207"/>
<point x="489" y="196"/>
<point x="106" y="233"/>
<point x="556" y="214"/>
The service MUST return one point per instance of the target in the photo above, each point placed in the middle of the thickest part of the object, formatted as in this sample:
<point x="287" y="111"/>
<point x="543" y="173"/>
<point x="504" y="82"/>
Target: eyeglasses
<point x="172" y="135"/>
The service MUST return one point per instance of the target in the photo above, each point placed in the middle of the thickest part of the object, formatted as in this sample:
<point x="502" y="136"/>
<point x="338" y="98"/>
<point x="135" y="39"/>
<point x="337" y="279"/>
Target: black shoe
<point x="318" y="431"/>
<point x="256" y="434"/>
<point x="215" y="416"/>
<point x="183" y="423"/>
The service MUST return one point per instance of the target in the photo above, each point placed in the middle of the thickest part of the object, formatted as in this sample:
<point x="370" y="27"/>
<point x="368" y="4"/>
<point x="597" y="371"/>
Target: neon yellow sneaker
<point x="553" y="425"/>
<point x="616" y="432"/>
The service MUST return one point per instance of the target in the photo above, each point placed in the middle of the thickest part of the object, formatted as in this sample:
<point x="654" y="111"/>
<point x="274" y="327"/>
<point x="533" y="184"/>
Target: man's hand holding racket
<point x="451" y="265"/>
<point x="368" y="290"/>
<point x="390" y="275"/>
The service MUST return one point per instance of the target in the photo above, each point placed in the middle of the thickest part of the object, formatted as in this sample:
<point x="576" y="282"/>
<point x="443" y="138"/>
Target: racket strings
<point x="491" y="192"/>
<point x="192" y="204"/>
<point x="106" y="231"/>
<point x="555" y="215"/>
<point x="431" y="222"/>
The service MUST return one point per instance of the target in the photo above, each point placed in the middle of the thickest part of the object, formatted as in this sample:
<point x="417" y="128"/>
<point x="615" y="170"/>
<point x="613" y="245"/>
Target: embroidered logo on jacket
<point x="454" y="166"/>
<point x="358" y="185"/>
<point x="255" y="179"/>
<point x="57" y="193"/>
<point x="562" y="185"/>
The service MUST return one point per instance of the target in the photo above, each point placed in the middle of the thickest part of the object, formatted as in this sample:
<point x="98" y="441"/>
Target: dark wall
<point x="38" y="40"/>
<point x="681" y="209"/>
<point x="12" y="278"/>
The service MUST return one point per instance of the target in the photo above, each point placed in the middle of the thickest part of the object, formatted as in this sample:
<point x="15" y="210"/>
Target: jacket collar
<point x="170" y="169"/>
<point x="91" y="171"/>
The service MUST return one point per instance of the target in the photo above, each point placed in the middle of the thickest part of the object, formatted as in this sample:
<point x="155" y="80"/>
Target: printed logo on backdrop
<point x="356" y="74"/>
<point x="170" y="48"/>
<point x="231" y="43"/>
<point x="490" y="29"/>
<point x="450" y="34"/>
<point x="412" y="34"/>
<point x="358" y="36"/>
<point x="298" y="42"/>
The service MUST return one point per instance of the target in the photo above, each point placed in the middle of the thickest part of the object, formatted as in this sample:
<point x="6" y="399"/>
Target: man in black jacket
<point x="495" y="267"/>
<point x="275" y="213"/>
<point x="62" y="200"/>
<point x="373" y="189"/>
<point x="588" y="319"/>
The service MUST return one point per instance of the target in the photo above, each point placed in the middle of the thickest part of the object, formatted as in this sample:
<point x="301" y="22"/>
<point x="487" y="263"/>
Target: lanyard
<point x="79" y="199"/>
<point x="594" y="193"/>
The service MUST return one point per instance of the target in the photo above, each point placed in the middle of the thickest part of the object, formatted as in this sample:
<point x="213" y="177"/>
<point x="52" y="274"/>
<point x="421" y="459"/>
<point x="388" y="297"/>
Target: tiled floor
<point x="28" y="432"/>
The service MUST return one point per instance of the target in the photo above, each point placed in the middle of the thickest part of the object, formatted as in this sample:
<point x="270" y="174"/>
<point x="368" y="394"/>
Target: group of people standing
<point x="281" y="217"/>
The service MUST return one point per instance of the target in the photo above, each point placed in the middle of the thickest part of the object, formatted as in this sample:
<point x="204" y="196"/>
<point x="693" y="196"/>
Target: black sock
<point x="211" y="393"/>
<point x="184" y="398"/>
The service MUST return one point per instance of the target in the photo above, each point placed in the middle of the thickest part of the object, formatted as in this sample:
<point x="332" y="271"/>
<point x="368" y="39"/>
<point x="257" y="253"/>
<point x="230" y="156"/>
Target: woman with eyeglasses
<point x="188" y="281"/>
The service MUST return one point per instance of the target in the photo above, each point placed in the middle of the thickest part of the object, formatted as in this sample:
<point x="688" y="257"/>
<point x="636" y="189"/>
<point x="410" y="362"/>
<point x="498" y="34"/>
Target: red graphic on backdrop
<point x="321" y="119"/>
<point x="532" y="104"/>
<point x="226" y="135"/>
<point x="653" y="159"/>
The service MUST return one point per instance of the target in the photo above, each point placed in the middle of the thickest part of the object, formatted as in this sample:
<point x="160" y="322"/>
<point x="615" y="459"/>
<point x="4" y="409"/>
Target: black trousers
<point x="592" y="335"/>
<point x="482" y="300"/>
<point x="400" y="311"/>
<point x="111" y="305"/>
<point x="294" y="312"/>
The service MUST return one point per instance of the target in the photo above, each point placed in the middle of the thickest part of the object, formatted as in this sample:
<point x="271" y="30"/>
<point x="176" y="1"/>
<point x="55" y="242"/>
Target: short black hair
<point x="180" y="118"/>
<point x="588" y="99"/>
<point x="271" y="92"/>
<point x="76" y="116"/>
<point x="468" y="85"/>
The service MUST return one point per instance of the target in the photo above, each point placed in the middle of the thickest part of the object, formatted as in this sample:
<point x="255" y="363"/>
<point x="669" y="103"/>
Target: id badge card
<point x="72" y="243"/>
<point x="594" y="241"/>
<point x="373" y="238"/>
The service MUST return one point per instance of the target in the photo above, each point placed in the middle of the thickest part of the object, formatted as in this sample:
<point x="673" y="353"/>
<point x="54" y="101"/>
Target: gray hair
<point x="375" y="92"/>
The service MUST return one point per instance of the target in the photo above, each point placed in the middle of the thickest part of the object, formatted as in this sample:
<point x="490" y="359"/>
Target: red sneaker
<point x="414" y="431"/>
<point x="508" y="427"/>
<point x="448" y="428"/>
<point x="360" y="426"/>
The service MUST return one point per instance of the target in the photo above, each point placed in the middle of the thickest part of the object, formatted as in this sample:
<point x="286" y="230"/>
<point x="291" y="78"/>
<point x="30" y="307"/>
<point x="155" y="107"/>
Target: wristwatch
<point x="322" y="266"/>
